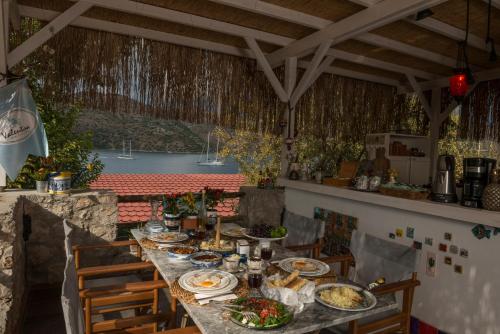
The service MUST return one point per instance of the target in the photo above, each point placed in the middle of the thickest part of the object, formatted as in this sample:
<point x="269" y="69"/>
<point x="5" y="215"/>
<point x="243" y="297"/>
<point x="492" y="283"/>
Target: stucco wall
<point x="467" y="303"/>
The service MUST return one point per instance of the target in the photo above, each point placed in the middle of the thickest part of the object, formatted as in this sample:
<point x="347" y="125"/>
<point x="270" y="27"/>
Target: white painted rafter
<point x="293" y="16"/>
<point x="122" y="29"/>
<point x="368" y="19"/>
<point x="360" y="59"/>
<point x="268" y="70"/>
<point x="418" y="90"/>
<point x="44" y="34"/>
<point x="14" y="17"/>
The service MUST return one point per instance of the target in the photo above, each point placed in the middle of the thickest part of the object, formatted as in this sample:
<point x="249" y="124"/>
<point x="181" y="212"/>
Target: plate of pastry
<point x="305" y="266"/>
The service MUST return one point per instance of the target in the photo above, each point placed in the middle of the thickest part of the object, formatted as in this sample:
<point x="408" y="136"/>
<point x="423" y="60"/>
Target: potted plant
<point x="213" y="198"/>
<point x="171" y="211"/>
<point x="41" y="178"/>
<point x="189" y="211"/>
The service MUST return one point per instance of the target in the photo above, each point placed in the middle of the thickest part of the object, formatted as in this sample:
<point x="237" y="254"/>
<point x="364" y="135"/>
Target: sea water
<point x="162" y="163"/>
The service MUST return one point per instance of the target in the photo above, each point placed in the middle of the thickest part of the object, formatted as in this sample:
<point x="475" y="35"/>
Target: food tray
<point x="415" y="195"/>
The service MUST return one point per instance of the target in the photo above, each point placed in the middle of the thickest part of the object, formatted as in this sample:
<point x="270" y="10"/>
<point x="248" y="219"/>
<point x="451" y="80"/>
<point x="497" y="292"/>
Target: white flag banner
<point x="21" y="128"/>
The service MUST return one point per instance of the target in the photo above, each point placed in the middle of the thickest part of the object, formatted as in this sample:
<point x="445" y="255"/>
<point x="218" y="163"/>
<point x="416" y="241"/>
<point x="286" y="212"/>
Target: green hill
<point x="146" y="133"/>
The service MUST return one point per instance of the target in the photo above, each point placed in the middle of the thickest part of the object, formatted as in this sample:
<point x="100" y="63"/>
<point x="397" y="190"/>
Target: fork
<point x="248" y="315"/>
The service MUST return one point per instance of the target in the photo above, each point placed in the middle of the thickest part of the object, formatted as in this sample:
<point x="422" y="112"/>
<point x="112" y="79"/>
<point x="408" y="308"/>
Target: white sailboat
<point x="125" y="155"/>
<point x="208" y="161"/>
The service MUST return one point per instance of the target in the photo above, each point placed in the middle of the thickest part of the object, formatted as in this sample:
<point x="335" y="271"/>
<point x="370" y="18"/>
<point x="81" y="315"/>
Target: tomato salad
<point x="272" y="314"/>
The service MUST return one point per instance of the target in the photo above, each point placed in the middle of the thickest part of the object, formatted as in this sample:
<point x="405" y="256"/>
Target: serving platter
<point x="245" y="233"/>
<point x="168" y="237"/>
<point x="283" y="320"/>
<point x="222" y="281"/>
<point x="233" y="232"/>
<point x="369" y="300"/>
<point x="321" y="268"/>
<point x="179" y="255"/>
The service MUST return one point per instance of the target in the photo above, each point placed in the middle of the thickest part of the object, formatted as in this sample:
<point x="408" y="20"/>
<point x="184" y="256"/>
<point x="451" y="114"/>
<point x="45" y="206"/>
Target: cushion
<point x="377" y="258"/>
<point x="70" y="300"/>
<point x="301" y="230"/>
<point x="68" y="232"/>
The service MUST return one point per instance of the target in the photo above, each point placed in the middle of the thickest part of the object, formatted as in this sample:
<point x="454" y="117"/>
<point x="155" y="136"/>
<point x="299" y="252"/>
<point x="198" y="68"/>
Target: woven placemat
<point x="330" y="277"/>
<point x="176" y="291"/>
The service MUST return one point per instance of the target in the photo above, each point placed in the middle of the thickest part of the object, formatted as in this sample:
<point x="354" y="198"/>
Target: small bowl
<point x="230" y="264"/>
<point x="181" y="256"/>
<point x="198" y="263"/>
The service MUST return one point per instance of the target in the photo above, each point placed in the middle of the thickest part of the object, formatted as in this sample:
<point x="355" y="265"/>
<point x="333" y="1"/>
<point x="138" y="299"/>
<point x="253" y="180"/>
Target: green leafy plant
<point x="188" y="205"/>
<point x="213" y="197"/>
<point x="171" y="204"/>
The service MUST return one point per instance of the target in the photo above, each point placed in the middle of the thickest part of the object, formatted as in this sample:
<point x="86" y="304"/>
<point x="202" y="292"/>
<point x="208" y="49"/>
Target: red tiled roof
<point x="154" y="184"/>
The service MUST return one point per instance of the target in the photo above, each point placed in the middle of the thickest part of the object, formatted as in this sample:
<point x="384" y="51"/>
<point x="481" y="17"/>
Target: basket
<point x="348" y="170"/>
<point x="415" y="195"/>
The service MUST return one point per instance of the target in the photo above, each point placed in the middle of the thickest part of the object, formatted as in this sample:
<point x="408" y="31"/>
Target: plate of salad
<point x="272" y="314"/>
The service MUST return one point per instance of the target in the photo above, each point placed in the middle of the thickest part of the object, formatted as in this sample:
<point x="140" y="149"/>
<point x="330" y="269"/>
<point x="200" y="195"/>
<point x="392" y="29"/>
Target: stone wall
<point x="12" y="265"/>
<point x="41" y="259"/>
<point x="93" y="216"/>
<point x="262" y="206"/>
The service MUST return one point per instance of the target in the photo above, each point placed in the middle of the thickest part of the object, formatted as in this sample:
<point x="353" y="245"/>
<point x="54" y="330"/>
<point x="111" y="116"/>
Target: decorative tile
<point x="447" y="236"/>
<point x="428" y="241"/>
<point x="464" y="252"/>
<point x="459" y="269"/>
<point x="417" y="245"/>
<point x="480" y="231"/>
<point x="399" y="232"/>
<point x="392" y="236"/>
<point x="453" y="249"/>
<point x="443" y="247"/>
<point x="447" y="260"/>
<point x="410" y="232"/>
<point x="430" y="265"/>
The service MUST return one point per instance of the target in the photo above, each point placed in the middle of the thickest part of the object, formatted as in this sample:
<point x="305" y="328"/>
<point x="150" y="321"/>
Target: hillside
<point x="147" y="133"/>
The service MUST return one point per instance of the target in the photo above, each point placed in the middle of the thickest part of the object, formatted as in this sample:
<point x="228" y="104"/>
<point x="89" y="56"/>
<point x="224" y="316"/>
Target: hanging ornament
<point x="463" y="78"/>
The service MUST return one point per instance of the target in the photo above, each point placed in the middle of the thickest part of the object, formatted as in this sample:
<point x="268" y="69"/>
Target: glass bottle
<point x="202" y="214"/>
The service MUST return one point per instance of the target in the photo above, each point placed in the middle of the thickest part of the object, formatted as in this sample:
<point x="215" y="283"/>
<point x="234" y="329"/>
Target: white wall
<point x="466" y="303"/>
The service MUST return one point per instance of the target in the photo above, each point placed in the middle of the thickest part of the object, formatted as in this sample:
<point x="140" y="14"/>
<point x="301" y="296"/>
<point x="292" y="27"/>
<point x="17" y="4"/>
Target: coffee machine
<point x="476" y="177"/>
<point x="443" y="187"/>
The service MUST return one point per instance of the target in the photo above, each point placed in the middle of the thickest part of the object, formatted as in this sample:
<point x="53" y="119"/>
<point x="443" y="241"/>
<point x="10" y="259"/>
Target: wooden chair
<point x="301" y="241"/>
<point x="139" y="298"/>
<point x="397" y="321"/>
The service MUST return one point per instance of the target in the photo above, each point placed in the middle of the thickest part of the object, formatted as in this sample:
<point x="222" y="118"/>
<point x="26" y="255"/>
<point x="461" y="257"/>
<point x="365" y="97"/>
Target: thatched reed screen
<point x="118" y="73"/>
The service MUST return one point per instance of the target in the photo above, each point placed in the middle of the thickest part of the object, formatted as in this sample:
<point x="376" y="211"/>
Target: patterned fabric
<point x="377" y="258"/>
<point x="70" y="300"/>
<point x="338" y="229"/>
<point x="301" y="230"/>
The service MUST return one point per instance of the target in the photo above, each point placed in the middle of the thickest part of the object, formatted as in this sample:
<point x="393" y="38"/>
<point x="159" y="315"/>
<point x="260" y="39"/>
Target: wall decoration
<point x="399" y="232"/>
<point x="496" y="231"/>
<point x="338" y="230"/>
<point x="410" y="232"/>
<point x="428" y="241"/>
<point x="480" y="231"/>
<point x="430" y="267"/>
<point x="453" y="249"/>
<point x="417" y="244"/>
<point x="464" y="252"/>
<point x="447" y="236"/>
<point x="392" y="236"/>
<point x="443" y="247"/>
<point x="459" y="269"/>
<point x="447" y="260"/>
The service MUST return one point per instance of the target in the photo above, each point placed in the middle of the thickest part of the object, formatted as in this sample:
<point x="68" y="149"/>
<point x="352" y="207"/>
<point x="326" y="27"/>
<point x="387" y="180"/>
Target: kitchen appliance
<point x="443" y="188"/>
<point x="477" y="173"/>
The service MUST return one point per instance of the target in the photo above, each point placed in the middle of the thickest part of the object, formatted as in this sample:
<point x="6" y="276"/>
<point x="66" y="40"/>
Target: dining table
<point x="210" y="320"/>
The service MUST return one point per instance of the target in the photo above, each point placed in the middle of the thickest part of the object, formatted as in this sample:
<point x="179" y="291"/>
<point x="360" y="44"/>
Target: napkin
<point x="289" y="297"/>
<point x="205" y="298"/>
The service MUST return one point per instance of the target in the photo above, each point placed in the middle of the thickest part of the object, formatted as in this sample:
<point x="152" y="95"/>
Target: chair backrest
<point x="377" y="258"/>
<point x="302" y="230"/>
<point x="70" y="299"/>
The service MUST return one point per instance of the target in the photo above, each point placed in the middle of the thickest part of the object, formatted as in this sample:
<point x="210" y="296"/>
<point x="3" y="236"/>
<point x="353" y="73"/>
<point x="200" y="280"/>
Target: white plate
<point x="244" y="231"/>
<point x="228" y="281"/>
<point x="370" y="300"/>
<point x="287" y="265"/>
<point x="177" y="237"/>
<point x="234" y="232"/>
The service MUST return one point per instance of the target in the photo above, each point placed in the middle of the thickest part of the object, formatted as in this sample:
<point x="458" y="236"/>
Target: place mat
<point x="330" y="277"/>
<point x="176" y="291"/>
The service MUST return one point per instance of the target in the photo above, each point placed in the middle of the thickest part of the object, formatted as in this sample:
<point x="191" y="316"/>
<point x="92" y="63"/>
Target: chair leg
<point x="353" y="327"/>
<point x="173" y="309"/>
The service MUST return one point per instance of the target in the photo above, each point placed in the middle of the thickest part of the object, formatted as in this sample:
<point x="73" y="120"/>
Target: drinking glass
<point x="266" y="253"/>
<point x="254" y="282"/>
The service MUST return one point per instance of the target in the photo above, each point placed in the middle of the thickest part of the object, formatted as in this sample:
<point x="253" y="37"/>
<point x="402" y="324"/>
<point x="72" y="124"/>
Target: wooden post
<point x="290" y="81"/>
<point x="435" y="123"/>
<point x="217" y="233"/>
<point x="4" y="50"/>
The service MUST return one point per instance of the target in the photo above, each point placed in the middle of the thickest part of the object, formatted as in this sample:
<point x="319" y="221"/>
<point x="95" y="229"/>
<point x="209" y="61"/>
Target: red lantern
<point x="458" y="85"/>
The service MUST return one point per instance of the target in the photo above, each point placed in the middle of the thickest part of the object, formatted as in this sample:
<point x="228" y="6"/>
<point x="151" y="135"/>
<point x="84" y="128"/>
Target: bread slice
<point x="296" y="284"/>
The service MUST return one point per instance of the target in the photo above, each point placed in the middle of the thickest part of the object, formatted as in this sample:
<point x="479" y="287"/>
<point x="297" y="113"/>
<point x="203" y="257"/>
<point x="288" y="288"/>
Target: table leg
<point x="173" y="309"/>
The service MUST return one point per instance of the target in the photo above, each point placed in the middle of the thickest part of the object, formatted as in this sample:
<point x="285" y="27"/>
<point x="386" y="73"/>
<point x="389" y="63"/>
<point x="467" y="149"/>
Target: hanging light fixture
<point x="459" y="83"/>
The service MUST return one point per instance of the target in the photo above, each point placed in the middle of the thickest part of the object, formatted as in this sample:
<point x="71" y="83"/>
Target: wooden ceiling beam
<point x="494" y="3"/>
<point x="368" y="19"/>
<point x="293" y="16"/>
<point x="133" y="31"/>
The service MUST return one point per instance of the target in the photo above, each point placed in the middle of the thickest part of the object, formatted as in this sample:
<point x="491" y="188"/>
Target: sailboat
<point x="125" y="155"/>
<point x="207" y="161"/>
